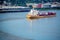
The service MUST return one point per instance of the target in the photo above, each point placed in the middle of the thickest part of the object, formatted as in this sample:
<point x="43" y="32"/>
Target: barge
<point x="34" y="14"/>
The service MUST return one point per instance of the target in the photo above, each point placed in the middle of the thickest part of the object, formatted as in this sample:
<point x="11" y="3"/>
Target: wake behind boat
<point x="33" y="14"/>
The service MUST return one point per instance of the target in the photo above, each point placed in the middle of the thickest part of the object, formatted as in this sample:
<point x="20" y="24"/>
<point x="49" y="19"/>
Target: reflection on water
<point x="36" y="29"/>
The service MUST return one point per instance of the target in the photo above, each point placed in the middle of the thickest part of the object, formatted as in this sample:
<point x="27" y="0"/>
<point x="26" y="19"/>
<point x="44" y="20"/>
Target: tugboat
<point x="34" y="14"/>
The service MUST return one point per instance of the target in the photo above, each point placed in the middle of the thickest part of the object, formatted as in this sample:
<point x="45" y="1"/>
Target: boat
<point x="8" y="7"/>
<point x="14" y="9"/>
<point x="35" y="14"/>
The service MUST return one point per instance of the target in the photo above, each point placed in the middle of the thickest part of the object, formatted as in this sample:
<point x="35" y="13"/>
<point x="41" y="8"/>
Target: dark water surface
<point x="18" y="25"/>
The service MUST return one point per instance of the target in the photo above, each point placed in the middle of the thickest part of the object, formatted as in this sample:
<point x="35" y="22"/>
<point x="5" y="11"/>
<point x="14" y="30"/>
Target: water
<point x="17" y="24"/>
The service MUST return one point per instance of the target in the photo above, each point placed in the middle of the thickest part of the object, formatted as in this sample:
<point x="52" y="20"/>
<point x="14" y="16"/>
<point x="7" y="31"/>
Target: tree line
<point x="20" y="2"/>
